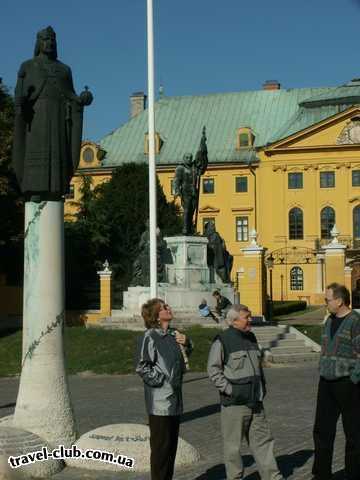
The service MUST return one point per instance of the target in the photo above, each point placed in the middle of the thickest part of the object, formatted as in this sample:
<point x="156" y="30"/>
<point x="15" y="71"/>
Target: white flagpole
<point x="152" y="166"/>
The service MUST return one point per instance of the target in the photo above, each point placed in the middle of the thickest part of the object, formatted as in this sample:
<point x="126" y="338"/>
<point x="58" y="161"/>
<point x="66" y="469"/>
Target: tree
<point x="11" y="204"/>
<point x="110" y="220"/>
<point x="124" y="201"/>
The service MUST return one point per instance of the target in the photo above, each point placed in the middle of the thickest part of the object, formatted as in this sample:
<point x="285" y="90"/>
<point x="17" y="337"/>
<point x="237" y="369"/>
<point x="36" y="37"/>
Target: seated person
<point x="222" y="303"/>
<point x="205" y="311"/>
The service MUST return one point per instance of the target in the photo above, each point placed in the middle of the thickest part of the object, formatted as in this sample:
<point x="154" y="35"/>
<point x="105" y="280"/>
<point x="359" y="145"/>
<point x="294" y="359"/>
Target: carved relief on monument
<point x="351" y="133"/>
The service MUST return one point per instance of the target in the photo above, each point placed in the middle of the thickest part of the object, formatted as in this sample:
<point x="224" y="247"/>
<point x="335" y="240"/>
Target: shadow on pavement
<point x="218" y="472"/>
<point x="203" y="377"/>
<point x="289" y="463"/>
<point x="200" y="412"/>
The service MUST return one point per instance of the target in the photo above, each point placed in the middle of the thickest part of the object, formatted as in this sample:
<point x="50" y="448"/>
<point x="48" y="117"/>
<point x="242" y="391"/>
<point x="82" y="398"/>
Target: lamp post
<point x="270" y="265"/>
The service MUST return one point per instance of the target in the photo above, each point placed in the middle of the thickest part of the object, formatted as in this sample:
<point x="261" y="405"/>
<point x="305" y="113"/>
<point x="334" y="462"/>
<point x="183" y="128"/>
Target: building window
<point x="296" y="279"/>
<point x="327" y="219"/>
<point x="208" y="185"/>
<point x="88" y="155"/>
<point x="208" y="221"/>
<point x="296" y="224"/>
<point x="356" y="223"/>
<point x="295" y="180"/>
<point x="356" y="178"/>
<point x="245" y="138"/>
<point x="327" y="179"/>
<point x="242" y="229"/>
<point x="241" y="184"/>
<point x="172" y="187"/>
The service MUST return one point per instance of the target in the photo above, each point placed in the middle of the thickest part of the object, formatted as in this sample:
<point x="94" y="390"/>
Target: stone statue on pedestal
<point x="187" y="184"/>
<point x="141" y="266"/>
<point x="48" y="122"/>
<point x="219" y="259"/>
<point x="46" y="151"/>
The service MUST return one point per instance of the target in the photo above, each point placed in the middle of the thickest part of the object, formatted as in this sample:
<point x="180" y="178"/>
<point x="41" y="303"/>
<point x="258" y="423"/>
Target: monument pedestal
<point x="43" y="405"/>
<point x="188" y="280"/>
<point x="189" y="256"/>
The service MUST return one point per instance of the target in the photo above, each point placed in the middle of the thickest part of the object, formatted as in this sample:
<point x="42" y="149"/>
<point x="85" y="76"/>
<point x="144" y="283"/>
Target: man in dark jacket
<point x="339" y="385"/>
<point x="234" y="366"/>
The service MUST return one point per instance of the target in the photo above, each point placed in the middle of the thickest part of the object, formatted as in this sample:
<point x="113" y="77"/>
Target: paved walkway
<point x="101" y="400"/>
<point x="313" y="317"/>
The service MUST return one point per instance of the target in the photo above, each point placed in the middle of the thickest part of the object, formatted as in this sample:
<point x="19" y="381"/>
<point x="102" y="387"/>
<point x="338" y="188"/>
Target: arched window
<point x="327" y="218"/>
<point x="356" y="223"/>
<point x="296" y="224"/>
<point x="296" y="279"/>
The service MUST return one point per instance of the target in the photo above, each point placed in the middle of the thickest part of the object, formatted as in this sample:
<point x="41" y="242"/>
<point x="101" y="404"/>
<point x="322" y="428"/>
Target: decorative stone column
<point x="334" y="259"/>
<point x="105" y="290"/>
<point x="251" y="276"/>
<point x="43" y="405"/>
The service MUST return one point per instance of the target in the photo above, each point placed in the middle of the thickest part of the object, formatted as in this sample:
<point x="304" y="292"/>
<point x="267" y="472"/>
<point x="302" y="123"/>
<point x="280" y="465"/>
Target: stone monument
<point x="197" y="265"/>
<point x="46" y="151"/>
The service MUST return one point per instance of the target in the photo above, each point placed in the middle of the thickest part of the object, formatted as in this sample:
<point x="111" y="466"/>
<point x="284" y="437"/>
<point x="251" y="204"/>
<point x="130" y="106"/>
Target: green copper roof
<point x="271" y="114"/>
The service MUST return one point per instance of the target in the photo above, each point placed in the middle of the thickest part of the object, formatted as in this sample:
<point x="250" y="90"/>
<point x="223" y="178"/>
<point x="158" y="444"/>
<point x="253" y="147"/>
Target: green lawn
<point x="112" y="351"/>
<point x="101" y="351"/>
<point x="299" y="313"/>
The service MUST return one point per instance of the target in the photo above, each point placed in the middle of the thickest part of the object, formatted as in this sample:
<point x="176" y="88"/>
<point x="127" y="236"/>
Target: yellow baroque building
<point x="283" y="162"/>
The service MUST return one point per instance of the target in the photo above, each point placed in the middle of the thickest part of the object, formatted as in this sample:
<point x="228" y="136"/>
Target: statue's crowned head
<point x="46" y="43"/>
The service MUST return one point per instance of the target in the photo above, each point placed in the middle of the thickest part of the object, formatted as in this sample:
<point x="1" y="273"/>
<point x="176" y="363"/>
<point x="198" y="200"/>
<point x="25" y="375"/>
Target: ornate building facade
<point x="283" y="162"/>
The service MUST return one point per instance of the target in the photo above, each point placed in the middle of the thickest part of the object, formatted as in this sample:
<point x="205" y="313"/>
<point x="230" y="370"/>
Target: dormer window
<point x="158" y="143"/>
<point x="245" y="138"/>
<point x="91" y="155"/>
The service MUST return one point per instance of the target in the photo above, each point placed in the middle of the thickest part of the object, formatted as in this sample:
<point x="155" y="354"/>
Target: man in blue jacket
<point x="234" y="366"/>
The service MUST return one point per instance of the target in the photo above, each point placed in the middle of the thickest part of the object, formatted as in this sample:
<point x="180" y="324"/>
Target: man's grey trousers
<point x="238" y="422"/>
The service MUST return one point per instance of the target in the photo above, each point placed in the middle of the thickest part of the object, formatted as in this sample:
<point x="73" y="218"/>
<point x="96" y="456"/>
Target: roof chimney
<point x="271" y="85"/>
<point x="137" y="103"/>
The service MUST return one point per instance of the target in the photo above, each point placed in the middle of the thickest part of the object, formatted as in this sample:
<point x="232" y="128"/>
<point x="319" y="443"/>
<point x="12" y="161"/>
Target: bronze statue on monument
<point x="187" y="184"/>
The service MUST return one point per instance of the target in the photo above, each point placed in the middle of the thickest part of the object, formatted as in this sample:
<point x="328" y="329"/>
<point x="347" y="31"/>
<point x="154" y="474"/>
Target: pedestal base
<point x="179" y="298"/>
<point x="130" y="440"/>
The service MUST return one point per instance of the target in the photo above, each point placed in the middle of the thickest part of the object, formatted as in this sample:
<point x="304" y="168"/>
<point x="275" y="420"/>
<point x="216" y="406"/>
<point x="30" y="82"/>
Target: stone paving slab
<point x="290" y="406"/>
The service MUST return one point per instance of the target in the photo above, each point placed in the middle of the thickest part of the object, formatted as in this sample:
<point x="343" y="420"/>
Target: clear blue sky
<point x="201" y="46"/>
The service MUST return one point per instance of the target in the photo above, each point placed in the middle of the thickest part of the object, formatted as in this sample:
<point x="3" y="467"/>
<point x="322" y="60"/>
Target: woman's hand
<point x="180" y="338"/>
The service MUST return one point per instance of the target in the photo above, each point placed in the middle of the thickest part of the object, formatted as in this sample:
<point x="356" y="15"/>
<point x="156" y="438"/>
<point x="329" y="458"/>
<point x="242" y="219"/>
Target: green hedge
<point x="283" y="308"/>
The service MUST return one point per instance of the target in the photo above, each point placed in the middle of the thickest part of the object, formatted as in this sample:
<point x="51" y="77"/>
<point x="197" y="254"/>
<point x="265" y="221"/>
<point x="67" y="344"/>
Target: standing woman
<point x="161" y="364"/>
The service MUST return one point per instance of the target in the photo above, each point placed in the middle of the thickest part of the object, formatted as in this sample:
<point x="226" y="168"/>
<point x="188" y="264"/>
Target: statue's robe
<point x="48" y="127"/>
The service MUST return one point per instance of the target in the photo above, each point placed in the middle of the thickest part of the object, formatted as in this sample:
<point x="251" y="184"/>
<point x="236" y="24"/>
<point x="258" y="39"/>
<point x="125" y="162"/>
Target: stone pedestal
<point x="188" y="280"/>
<point x="105" y="290"/>
<point x="251" y="277"/>
<point x="43" y="404"/>
<point x="189" y="256"/>
<point x="335" y="260"/>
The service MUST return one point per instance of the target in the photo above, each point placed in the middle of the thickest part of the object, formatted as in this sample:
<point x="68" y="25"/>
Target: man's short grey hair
<point x="234" y="310"/>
